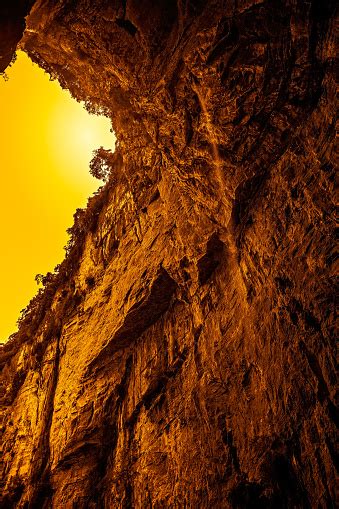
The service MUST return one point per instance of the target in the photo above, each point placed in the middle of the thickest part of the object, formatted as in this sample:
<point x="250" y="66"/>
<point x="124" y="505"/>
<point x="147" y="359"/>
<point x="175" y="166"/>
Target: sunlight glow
<point x="46" y="144"/>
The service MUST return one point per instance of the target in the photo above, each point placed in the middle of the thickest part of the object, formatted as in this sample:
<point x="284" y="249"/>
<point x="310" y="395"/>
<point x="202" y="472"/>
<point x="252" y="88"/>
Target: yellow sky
<point x="46" y="143"/>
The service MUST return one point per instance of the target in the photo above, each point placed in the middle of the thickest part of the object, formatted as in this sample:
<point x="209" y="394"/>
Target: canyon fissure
<point x="184" y="356"/>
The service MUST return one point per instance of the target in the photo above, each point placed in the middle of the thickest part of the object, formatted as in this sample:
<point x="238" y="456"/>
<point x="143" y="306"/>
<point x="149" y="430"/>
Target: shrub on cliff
<point x="101" y="164"/>
<point x="85" y="220"/>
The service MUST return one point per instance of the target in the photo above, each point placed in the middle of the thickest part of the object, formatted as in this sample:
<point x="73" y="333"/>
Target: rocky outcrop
<point x="184" y="356"/>
<point x="12" y="25"/>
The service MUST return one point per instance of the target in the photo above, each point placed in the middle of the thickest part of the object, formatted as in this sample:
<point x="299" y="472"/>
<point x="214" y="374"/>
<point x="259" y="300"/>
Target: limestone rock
<point x="12" y="25"/>
<point x="184" y="356"/>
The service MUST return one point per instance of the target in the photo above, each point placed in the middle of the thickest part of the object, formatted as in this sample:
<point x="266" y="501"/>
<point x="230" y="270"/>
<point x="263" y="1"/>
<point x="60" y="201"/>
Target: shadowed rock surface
<point x="184" y="356"/>
<point x="12" y="25"/>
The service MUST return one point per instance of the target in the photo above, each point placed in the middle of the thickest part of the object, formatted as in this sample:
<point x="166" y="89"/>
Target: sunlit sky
<point x="46" y="144"/>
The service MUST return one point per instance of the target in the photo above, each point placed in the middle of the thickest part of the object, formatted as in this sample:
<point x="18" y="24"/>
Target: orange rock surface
<point x="184" y="354"/>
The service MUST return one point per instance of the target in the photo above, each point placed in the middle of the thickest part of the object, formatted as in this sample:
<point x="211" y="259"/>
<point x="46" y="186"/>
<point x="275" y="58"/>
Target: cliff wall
<point x="12" y="25"/>
<point x="185" y="358"/>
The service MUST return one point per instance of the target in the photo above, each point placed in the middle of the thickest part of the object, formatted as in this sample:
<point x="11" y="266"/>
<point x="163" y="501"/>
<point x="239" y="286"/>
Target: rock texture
<point x="185" y="357"/>
<point x="12" y="25"/>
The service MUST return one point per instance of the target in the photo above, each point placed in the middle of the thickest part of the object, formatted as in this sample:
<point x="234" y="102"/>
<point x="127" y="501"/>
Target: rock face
<point x="184" y="357"/>
<point x="12" y="25"/>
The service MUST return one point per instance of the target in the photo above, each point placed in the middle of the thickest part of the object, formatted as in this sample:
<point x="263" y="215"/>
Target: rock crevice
<point x="184" y="354"/>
